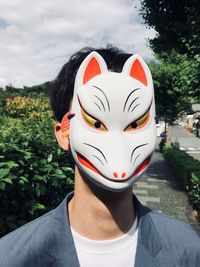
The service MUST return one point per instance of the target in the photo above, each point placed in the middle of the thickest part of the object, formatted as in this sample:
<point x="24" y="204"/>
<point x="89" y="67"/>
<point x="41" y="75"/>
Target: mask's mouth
<point x="86" y="163"/>
<point x="142" y="166"/>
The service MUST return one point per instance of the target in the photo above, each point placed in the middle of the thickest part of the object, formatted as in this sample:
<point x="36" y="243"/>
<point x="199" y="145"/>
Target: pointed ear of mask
<point x="91" y="66"/>
<point x="138" y="69"/>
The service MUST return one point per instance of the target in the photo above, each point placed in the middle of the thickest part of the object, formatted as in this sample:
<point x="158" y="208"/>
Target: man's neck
<point x="100" y="214"/>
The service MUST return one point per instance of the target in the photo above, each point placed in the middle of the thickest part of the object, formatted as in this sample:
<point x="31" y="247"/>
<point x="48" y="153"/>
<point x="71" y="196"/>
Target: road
<point x="187" y="141"/>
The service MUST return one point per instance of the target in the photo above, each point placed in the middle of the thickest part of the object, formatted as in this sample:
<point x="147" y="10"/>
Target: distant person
<point x="104" y="102"/>
<point x="197" y="128"/>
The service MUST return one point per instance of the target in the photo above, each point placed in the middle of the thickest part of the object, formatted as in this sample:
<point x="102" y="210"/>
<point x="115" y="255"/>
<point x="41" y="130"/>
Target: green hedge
<point x="35" y="174"/>
<point x="187" y="171"/>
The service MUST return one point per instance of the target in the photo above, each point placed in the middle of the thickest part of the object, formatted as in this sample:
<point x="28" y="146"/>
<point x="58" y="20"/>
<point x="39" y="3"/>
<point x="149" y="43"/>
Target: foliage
<point x="176" y="22"/>
<point x="189" y="76"/>
<point x="35" y="92"/>
<point x="176" y="82"/>
<point x="177" y="72"/>
<point x="24" y="106"/>
<point x="194" y="193"/>
<point x="187" y="171"/>
<point x="32" y="91"/>
<point x="35" y="174"/>
<point x="171" y="82"/>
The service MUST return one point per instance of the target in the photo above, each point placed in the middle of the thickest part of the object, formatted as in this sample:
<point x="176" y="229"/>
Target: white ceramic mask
<point x="113" y="132"/>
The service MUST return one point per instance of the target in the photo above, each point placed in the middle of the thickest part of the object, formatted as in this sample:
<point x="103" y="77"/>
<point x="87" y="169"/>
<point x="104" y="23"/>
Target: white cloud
<point x="37" y="37"/>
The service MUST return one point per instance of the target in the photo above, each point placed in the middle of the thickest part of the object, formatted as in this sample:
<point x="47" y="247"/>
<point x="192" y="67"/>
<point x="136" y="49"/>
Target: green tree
<point x="177" y="74"/>
<point x="189" y="77"/>
<point x="171" y="95"/>
<point x="177" y="24"/>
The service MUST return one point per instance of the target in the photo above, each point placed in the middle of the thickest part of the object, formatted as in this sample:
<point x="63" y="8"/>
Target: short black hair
<point x="62" y="88"/>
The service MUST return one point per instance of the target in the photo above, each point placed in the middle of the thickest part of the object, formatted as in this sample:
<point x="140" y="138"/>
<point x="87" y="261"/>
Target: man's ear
<point x="62" y="140"/>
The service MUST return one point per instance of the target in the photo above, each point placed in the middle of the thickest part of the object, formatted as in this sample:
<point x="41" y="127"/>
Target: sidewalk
<point x="157" y="190"/>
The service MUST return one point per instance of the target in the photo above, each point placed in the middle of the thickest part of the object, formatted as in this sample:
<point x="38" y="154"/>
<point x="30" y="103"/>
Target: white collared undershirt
<point x="118" y="252"/>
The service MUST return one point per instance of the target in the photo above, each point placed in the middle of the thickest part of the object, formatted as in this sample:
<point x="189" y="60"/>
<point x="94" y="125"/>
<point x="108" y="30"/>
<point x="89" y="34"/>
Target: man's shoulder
<point x="36" y="226"/>
<point x="169" y="240"/>
<point x="165" y="222"/>
<point x="26" y="241"/>
<point x="34" y="243"/>
<point x="41" y="242"/>
<point x="175" y="231"/>
<point x="166" y="227"/>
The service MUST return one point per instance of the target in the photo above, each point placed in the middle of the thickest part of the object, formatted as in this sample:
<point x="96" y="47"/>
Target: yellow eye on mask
<point x="92" y="122"/>
<point x="139" y="123"/>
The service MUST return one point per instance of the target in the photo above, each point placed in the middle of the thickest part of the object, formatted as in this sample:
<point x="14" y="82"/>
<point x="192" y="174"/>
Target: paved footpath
<point x="157" y="189"/>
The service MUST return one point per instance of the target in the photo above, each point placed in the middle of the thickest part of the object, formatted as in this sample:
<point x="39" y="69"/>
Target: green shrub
<point x="194" y="193"/>
<point x="35" y="174"/>
<point x="187" y="171"/>
<point x="23" y="106"/>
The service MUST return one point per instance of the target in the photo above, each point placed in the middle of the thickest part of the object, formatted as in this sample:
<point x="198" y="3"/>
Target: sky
<point x="37" y="37"/>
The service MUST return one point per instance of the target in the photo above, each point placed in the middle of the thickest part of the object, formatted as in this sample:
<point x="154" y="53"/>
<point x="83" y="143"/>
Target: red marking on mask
<point x="138" y="72"/>
<point x="115" y="174"/>
<point x="123" y="175"/>
<point x="85" y="162"/>
<point x="143" y="166"/>
<point x="92" y="70"/>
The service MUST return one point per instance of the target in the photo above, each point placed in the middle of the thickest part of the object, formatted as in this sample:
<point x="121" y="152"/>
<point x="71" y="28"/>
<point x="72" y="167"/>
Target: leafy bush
<point x="23" y="106"/>
<point x="187" y="171"/>
<point x="194" y="193"/>
<point x="35" y="174"/>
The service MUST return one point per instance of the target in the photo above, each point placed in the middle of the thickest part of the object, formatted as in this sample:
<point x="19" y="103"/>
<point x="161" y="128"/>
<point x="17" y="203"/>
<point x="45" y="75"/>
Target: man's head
<point x="63" y="86"/>
<point x="112" y="132"/>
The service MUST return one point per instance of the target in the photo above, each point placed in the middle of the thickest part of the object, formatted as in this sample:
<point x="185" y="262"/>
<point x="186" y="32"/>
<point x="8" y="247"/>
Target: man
<point x="104" y="101"/>
<point x="197" y="127"/>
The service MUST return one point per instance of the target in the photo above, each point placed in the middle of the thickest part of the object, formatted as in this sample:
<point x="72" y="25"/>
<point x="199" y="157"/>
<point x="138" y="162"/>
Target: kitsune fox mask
<point x="113" y="132"/>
